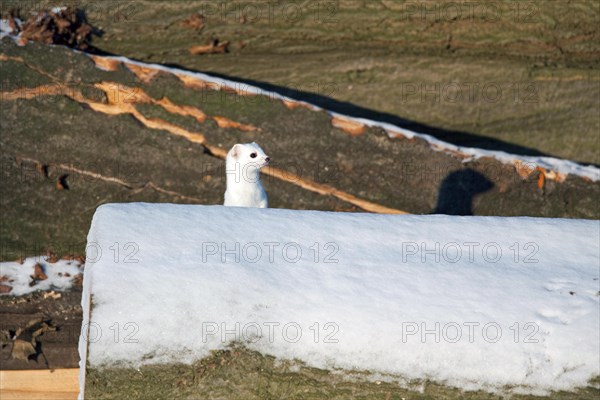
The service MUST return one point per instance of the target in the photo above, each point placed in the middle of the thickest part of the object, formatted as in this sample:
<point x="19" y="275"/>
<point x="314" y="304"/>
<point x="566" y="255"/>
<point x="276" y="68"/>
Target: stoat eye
<point x="253" y="155"/>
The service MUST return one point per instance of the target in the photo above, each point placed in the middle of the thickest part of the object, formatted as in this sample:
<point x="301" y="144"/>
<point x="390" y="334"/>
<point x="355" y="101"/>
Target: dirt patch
<point x="40" y="330"/>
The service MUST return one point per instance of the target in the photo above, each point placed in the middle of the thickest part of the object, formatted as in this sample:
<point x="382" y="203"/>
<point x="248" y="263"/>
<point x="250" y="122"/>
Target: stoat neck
<point x="239" y="175"/>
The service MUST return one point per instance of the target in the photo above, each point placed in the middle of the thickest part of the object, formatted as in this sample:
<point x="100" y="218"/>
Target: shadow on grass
<point x="458" y="191"/>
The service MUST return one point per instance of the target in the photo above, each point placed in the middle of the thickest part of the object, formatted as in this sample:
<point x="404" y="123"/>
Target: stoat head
<point x="249" y="154"/>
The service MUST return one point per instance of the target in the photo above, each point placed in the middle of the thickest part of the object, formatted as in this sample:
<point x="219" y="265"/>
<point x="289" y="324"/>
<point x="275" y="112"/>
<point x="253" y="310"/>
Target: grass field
<point x="238" y="373"/>
<point x="521" y="76"/>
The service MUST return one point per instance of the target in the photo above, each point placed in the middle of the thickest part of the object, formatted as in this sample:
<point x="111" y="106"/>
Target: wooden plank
<point x="55" y="384"/>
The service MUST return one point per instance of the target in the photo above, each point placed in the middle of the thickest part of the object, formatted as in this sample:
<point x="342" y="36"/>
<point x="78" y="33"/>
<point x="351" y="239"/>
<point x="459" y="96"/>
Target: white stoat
<point x="242" y="168"/>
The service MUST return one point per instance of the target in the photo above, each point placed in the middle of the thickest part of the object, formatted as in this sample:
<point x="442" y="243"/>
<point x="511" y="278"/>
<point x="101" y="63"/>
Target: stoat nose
<point x="267" y="159"/>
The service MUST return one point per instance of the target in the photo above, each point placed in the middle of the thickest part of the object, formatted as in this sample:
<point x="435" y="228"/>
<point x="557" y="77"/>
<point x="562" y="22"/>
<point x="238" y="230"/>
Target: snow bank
<point x="474" y="302"/>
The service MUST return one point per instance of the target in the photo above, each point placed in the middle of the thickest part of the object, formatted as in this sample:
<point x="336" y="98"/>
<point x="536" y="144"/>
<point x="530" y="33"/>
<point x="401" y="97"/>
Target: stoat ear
<point x="235" y="151"/>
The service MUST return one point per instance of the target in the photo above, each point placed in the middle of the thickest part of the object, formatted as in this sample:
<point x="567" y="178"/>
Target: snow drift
<point x="474" y="302"/>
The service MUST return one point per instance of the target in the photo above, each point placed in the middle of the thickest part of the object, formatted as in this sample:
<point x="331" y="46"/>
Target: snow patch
<point x="6" y="29"/>
<point x="60" y="275"/>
